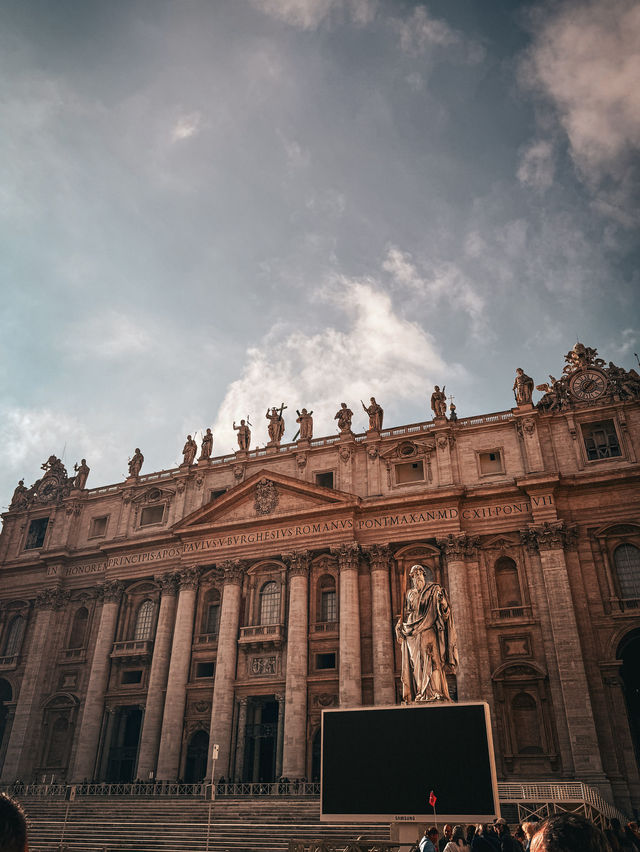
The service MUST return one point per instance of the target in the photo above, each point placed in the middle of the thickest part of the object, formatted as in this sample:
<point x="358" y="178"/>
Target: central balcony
<point x="133" y="649"/>
<point x="262" y="636"/>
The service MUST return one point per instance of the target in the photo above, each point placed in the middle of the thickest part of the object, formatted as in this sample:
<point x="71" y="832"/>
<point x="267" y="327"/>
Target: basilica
<point x="227" y="601"/>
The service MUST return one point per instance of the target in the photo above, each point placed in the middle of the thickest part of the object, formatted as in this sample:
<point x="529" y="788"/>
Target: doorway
<point x="197" y="752"/>
<point x="261" y="740"/>
<point x="629" y="653"/>
<point x="123" y="754"/>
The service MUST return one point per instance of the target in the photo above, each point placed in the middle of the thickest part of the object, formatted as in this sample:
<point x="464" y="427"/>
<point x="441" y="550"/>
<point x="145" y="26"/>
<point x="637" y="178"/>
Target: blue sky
<point x="211" y="207"/>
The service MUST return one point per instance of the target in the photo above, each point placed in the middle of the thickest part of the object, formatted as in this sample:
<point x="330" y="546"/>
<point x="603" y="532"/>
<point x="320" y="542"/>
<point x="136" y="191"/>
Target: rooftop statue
<point x="439" y="401"/>
<point x="19" y="496"/>
<point x="206" y="448"/>
<point x="82" y="473"/>
<point x="343" y="416"/>
<point x="375" y="413"/>
<point x="135" y="463"/>
<point x="276" y="425"/>
<point x="522" y="387"/>
<point x="244" y="435"/>
<point x="305" y="421"/>
<point x="189" y="451"/>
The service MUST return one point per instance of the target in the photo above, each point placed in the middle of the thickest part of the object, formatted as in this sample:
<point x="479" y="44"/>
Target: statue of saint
<point x="439" y="402"/>
<point x="189" y="451"/>
<point x="206" y="447"/>
<point x="343" y="416"/>
<point x="276" y="425"/>
<point x="82" y="472"/>
<point x="428" y="638"/>
<point x="244" y="435"/>
<point x="375" y="413"/>
<point x="135" y="462"/>
<point x="19" y="498"/>
<point x="522" y="387"/>
<point x="305" y="421"/>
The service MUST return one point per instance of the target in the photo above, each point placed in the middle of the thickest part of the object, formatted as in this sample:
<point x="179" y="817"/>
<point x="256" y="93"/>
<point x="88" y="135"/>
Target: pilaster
<point x="384" y="688"/>
<point x="294" y="712"/>
<point x="350" y="680"/>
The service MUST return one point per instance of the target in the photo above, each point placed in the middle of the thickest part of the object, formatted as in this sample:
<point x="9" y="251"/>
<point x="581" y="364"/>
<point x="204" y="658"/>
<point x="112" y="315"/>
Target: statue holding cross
<point x="276" y="425"/>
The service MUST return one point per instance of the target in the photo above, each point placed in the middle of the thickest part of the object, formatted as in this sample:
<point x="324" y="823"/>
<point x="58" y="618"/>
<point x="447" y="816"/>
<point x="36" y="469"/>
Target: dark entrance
<point x="197" y="751"/>
<point x="315" y="755"/>
<point x="261" y="740"/>
<point x="629" y="653"/>
<point x="6" y="694"/>
<point x="123" y="754"/>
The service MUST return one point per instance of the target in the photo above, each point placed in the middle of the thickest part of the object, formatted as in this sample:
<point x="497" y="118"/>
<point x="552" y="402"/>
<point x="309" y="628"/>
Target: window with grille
<point x="212" y="624"/>
<point x="36" y="534"/>
<point x="626" y="558"/>
<point x="328" y="609"/>
<point x="14" y="637"/>
<point x="601" y="440"/>
<point x="270" y="604"/>
<point x="144" y="621"/>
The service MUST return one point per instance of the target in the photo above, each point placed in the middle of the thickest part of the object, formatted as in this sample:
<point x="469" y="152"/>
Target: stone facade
<point x="231" y="600"/>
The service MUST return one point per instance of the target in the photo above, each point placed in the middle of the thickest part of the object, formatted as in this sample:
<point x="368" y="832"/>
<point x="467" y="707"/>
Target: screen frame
<point x="410" y="817"/>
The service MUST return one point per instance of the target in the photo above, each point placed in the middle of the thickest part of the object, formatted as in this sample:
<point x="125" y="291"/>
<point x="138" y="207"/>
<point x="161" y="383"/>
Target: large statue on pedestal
<point x="428" y="638"/>
<point x="244" y="435"/>
<point x="522" y="387"/>
<point x="189" y="451"/>
<point x="207" y="445"/>
<point x="82" y="473"/>
<point x="135" y="463"/>
<point x="276" y="425"/>
<point x="375" y="413"/>
<point x="343" y="416"/>
<point x="305" y="420"/>
<point x="439" y="401"/>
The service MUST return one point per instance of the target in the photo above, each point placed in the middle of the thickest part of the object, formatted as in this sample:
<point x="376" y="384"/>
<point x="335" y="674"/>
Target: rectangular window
<point x="151" y="515"/>
<point x="214" y="495"/>
<point x="36" y="534"/>
<point x="132" y="676"/>
<point x="213" y="618"/>
<point x="409" y="472"/>
<point x="325" y="661"/>
<point x="325" y="480"/>
<point x="328" y="606"/>
<point x="601" y="440"/>
<point x="491" y="462"/>
<point x="98" y="527"/>
<point x="205" y="669"/>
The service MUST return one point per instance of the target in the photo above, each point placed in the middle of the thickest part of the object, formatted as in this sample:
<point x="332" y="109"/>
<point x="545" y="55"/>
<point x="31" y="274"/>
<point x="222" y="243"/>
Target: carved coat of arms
<point x="266" y="498"/>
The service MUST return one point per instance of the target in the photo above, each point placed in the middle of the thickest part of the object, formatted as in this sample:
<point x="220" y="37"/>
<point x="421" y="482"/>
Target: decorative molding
<point x="266" y="497"/>
<point x="111" y="591"/>
<point x="260" y="666"/>
<point x="234" y="571"/>
<point x="348" y="556"/>
<point x="459" y="546"/>
<point x="188" y="578"/>
<point x="298" y="562"/>
<point x="553" y="536"/>
<point x="301" y="460"/>
<point x="53" y="598"/>
<point x="379" y="556"/>
<point x="325" y="699"/>
<point x="168" y="583"/>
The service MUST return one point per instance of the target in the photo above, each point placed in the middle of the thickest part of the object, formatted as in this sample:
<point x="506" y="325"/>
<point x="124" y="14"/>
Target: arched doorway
<point x="197" y="751"/>
<point x="629" y="653"/>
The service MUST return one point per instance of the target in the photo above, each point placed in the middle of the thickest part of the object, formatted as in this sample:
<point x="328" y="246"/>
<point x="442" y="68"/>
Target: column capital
<point x="168" y="583"/>
<point x="348" y="556"/>
<point x="234" y="571"/>
<point x="279" y="697"/>
<point x="53" y="598"/>
<point x="549" y="536"/>
<point x="188" y="578"/>
<point x="111" y="591"/>
<point x="457" y="547"/>
<point x="379" y="556"/>
<point x="297" y="562"/>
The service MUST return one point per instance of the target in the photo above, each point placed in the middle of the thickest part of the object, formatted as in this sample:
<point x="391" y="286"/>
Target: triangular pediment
<point x="264" y="496"/>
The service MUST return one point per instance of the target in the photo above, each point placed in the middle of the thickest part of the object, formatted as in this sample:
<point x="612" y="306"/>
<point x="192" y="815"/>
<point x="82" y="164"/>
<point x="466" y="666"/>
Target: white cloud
<point x="626" y="343"/>
<point x="379" y="353"/>
<point x="420" y="31"/>
<point x="109" y="335"/>
<point x="310" y="14"/>
<point x="186" y="126"/>
<point x="536" y="165"/>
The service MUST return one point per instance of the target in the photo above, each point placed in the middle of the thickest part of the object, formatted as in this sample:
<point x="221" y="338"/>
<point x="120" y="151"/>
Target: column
<point x="384" y="687"/>
<point x="350" y="683"/>
<point x="241" y="738"/>
<point x="47" y="603"/>
<point x="109" y="722"/>
<point x="176" y="696"/>
<point x="295" y="704"/>
<point x="280" y="737"/>
<point x="455" y="548"/>
<point x="91" y="724"/>
<point x="223" y="688"/>
<point x="150" y="737"/>
<point x="551" y="539"/>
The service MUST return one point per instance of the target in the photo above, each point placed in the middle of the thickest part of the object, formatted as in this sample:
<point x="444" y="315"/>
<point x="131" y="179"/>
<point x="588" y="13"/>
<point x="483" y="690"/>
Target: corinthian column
<point x="150" y="738"/>
<point x="384" y="689"/>
<point x="456" y="548"/>
<point x="173" y="717"/>
<point x="350" y="684"/>
<point x="89" y="737"/>
<point x="47" y="603"/>
<point x="223" y="688"/>
<point x="295" y="703"/>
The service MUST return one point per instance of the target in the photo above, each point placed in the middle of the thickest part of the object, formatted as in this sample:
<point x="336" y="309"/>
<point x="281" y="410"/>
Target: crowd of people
<point x="564" y="832"/>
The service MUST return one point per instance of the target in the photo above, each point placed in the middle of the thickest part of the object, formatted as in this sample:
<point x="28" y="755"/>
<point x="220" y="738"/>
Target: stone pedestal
<point x="303" y="444"/>
<point x="295" y="704"/>
<point x="372" y="435"/>
<point x="350" y="683"/>
<point x="384" y="687"/>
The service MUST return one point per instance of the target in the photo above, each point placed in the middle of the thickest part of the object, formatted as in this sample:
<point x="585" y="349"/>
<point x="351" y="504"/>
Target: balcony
<point x="503" y="613"/>
<point x="8" y="663"/>
<point x="133" y="649"/>
<point x="73" y="655"/>
<point x="206" y="639"/>
<point x="325" y="627"/>
<point x="263" y="636"/>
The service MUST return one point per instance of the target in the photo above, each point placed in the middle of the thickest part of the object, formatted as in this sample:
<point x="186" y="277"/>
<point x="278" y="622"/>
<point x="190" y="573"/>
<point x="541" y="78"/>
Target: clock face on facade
<point x="588" y="384"/>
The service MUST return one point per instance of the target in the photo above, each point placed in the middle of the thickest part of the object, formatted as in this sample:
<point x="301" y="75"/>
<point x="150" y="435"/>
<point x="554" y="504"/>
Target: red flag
<point x="432" y="799"/>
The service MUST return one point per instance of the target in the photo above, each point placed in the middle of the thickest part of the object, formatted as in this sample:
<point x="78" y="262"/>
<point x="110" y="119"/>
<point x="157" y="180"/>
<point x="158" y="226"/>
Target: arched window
<point x="507" y="583"/>
<point x="270" y="604"/>
<point x="15" y="633"/>
<point x="144" y="621"/>
<point x="79" y="628"/>
<point x="212" y="613"/>
<point x="525" y="724"/>
<point x="626" y="558"/>
<point x="328" y="610"/>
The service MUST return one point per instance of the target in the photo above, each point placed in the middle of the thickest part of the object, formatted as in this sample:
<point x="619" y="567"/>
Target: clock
<point x="587" y="385"/>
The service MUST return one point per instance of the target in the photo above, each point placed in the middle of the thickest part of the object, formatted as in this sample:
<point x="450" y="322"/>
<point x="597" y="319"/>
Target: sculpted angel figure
<point x="428" y="638"/>
<point x="375" y="413"/>
<point x="244" y="435"/>
<point x="207" y="445"/>
<point x="343" y="416"/>
<point x="135" y="462"/>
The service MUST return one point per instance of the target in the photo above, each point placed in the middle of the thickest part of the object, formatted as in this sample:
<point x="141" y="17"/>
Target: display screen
<point x="382" y="764"/>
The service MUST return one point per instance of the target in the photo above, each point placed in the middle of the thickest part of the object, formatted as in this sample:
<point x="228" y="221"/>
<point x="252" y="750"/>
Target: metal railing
<point x="162" y="789"/>
<point x="511" y="612"/>
<point x="132" y="648"/>
<point x="261" y="631"/>
<point x="565" y="793"/>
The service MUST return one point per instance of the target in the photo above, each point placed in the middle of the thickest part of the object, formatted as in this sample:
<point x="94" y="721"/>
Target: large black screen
<point x="380" y="764"/>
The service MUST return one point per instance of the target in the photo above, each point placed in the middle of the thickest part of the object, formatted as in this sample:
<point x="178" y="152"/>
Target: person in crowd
<point x="458" y="842"/>
<point x="471" y="830"/>
<point x="633" y="833"/>
<point x="529" y="828"/>
<point x="625" y="843"/>
<point x="447" y="831"/>
<point x="13" y="826"/>
<point x="519" y="838"/>
<point x="429" y="840"/>
<point x="507" y="843"/>
<point x="485" y="839"/>
<point x="568" y="832"/>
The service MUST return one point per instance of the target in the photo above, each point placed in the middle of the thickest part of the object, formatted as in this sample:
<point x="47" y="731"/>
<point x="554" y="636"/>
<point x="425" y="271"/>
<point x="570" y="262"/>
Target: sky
<point x="208" y="207"/>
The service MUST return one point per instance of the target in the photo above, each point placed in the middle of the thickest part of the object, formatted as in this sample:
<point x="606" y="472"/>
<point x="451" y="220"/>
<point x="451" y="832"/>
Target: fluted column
<point x="295" y="705"/>
<point x="455" y="548"/>
<point x="91" y="724"/>
<point x="223" y="688"/>
<point x="350" y="683"/>
<point x="384" y="689"/>
<point x="47" y="603"/>
<point x="176" y="696"/>
<point x="241" y="738"/>
<point x="150" y="737"/>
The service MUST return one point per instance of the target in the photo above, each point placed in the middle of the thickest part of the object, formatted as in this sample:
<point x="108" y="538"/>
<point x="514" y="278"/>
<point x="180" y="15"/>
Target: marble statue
<point x="135" y="462"/>
<point x="439" y="402"/>
<point x="522" y="387"/>
<point x="244" y="435"/>
<point x="189" y="451"/>
<point x="428" y="638"/>
<point x="276" y="425"/>
<point x="82" y="472"/>
<point x="206" y="447"/>
<point x="305" y="421"/>
<point x="375" y="413"/>
<point x="343" y="416"/>
<point x="19" y="495"/>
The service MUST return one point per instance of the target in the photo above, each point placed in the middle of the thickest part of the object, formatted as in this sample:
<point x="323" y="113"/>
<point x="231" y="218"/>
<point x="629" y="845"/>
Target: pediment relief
<point x="153" y="495"/>
<point x="408" y="449"/>
<point x="501" y="542"/>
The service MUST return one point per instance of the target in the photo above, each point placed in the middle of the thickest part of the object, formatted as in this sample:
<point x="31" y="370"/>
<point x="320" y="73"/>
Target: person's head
<point x="137" y="449"/>
<point x="13" y="826"/>
<point x="530" y="827"/>
<point x="188" y="437"/>
<point x="242" y="422"/>
<point x="437" y="389"/>
<point x="373" y="399"/>
<point x="501" y="826"/>
<point x="343" y="405"/>
<point x="304" y="410"/>
<point x="519" y="371"/>
<point x="432" y="834"/>
<point x="458" y="833"/>
<point x="448" y="829"/>
<point x="568" y="833"/>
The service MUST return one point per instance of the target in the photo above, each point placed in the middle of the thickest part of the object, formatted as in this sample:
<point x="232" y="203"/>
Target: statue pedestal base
<point x="204" y="462"/>
<point x="131" y="480"/>
<point x="372" y="435"/>
<point x="242" y="454"/>
<point x="347" y="437"/>
<point x="303" y="444"/>
<point x="440" y="420"/>
<point x="184" y="467"/>
<point x="272" y="448"/>
<point x="523" y="406"/>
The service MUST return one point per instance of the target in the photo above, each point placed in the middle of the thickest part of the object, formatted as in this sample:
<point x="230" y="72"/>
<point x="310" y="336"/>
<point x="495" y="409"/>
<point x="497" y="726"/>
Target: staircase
<point x="181" y="825"/>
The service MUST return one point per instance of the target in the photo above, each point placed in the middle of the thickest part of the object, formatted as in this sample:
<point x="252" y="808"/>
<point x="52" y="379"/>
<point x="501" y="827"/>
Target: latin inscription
<point x="74" y="570"/>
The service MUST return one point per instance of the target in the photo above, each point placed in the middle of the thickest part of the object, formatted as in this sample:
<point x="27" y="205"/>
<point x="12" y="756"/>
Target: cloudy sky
<point x="209" y="206"/>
